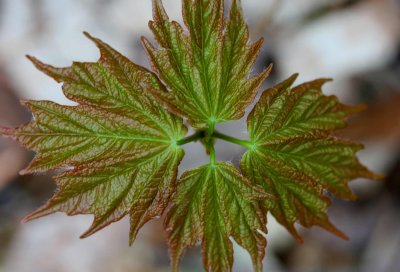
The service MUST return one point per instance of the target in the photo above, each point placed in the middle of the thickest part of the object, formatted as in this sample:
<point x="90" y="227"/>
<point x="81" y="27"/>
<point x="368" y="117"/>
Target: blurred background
<point x="357" y="42"/>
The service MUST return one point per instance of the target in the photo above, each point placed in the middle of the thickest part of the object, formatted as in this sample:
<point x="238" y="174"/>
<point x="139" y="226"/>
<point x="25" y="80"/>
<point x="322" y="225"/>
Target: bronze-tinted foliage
<point x="206" y="69"/>
<point x="295" y="156"/>
<point x="212" y="203"/>
<point x="119" y="149"/>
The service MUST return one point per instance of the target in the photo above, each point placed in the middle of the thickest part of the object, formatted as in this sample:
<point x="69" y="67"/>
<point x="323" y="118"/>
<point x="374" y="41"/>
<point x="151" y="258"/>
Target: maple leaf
<point x="208" y="68"/>
<point x="212" y="203"/>
<point x="294" y="156"/>
<point x="117" y="147"/>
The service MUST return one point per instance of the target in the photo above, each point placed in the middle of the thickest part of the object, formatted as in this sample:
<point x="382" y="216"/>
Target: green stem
<point x="210" y="143"/>
<point x="192" y="138"/>
<point x="230" y="139"/>
<point x="212" y="153"/>
<point x="211" y="133"/>
<point x="211" y="129"/>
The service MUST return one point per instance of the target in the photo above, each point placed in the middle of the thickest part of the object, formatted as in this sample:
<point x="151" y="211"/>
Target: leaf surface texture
<point x="295" y="156"/>
<point x="212" y="204"/>
<point x="206" y="67"/>
<point x="117" y="148"/>
<point x="117" y="151"/>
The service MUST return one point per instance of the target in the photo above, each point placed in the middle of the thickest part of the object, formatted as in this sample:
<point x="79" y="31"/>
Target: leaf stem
<point x="211" y="133"/>
<point x="212" y="154"/>
<point x="192" y="138"/>
<point x="211" y="128"/>
<point x="230" y="139"/>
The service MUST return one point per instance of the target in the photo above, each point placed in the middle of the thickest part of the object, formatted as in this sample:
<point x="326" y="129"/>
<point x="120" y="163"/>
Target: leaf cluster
<point x="119" y="149"/>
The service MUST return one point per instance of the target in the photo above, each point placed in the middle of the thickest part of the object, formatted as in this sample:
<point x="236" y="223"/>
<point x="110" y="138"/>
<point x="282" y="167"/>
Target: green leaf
<point x="117" y="149"/>
<point x="213" y="203"/>
<point x="295" y="157"/>
<point x="206" y="69"/>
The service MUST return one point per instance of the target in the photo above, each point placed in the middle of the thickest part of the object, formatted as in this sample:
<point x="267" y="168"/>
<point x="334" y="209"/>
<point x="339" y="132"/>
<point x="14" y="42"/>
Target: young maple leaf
<point x="208" y="68"/>
<point x="295" y="157"/>
<point x="119" y="142"/>
<point x="119" y="148"/>
<point x="212" y="203"/>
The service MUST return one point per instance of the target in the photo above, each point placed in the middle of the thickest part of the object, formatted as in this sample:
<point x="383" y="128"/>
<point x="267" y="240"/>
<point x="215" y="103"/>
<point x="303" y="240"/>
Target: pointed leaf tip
<point x="159" y="13"/>
<point x="7" y="132"/>
<point x="58" y="74"/>
<point x="289" y="82"/>
<point x="24" y="172"/>
<point x="31" y="58"/>
<point x="95" y="40"/>
<point x="87" y="34"/>
<point x="33" y="216"/>
<point x="37" y="63"/>
<point x="267" y="71"/>
<point x="41" y="212"/>
<point x="334" y="230"/>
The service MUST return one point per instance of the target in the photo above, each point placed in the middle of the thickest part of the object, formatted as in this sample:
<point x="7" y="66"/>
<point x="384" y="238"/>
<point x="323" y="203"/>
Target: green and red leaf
<point x="296" y="158"/>
<point x="213" y="203"/>
<point x="117" y="148"/>
<point x="207" y="69"/>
